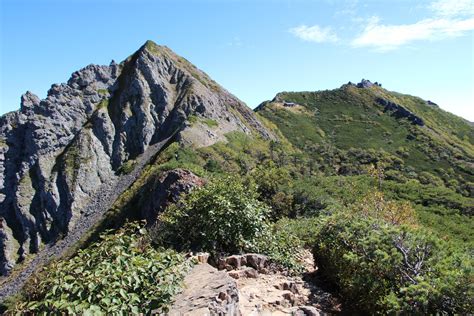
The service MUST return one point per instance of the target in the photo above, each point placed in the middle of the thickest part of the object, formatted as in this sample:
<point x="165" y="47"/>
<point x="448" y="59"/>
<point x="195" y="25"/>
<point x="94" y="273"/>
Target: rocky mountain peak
<point x="57" y="155"/>
<point x="364" y="83"/>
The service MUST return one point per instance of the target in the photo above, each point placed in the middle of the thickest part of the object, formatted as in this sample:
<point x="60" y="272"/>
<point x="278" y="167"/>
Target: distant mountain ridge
<point x="366" y="116"/>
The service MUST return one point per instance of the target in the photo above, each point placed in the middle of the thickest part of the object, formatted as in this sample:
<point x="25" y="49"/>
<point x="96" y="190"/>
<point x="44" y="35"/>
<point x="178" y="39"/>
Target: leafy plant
<point x="120" y="274"/>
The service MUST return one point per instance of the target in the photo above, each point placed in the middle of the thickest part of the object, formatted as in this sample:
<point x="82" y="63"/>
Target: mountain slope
<point x="353" y="125"/>
<point x="57" y="155"/>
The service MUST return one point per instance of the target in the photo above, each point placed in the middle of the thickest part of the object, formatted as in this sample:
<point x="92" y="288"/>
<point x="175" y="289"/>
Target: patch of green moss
<point x="193" y="119"/>
<point x="127" y="166"/>
<point x="103" y="104"/>
<point x="210" y="122"/>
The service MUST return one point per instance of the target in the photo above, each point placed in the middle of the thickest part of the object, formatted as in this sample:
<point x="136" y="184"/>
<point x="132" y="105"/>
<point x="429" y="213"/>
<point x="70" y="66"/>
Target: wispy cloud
<point x="452" y="8"/>
<point x="388" y="37"/>
<point x="348" y="8"/>
<point x="451" y="18"/>
<point x="314" y="33"/>
<point x="444" y="19"/>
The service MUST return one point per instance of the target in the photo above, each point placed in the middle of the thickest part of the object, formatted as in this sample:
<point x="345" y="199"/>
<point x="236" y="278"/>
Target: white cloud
<point x="388" y="37"/>
<point x="452" y="8"/>
<point x="449" y="18"/>
<point x="314" y="33"/>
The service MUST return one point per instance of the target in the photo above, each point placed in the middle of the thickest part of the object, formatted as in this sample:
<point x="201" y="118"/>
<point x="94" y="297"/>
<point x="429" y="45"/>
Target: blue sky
<point x="253" y="48"/>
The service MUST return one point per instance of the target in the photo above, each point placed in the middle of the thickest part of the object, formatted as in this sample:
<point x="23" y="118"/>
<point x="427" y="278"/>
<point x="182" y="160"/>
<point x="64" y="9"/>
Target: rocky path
<point x="248" y="285"/>
<point x="98" y="205"/>
<point x="276" y="293"/>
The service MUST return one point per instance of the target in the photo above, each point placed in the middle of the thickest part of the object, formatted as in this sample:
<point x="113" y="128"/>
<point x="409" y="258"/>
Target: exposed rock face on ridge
<point x="57" y="152"/>
<point x="400" y="112"/>
<point x="35" y="180"/>
<point x="167" y="189"/>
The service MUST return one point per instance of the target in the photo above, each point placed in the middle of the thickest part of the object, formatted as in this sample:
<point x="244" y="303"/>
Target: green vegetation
<point x="381" y="261"/>
<point x="193" y="119"/>
<point x="224" y="216"/>
<point x="210" y="122"/>
<point x="73" y="157"/>
<point x="103" y="104"/>
<point x="379" y="267"/>
<point x="127" y="166"/>
<point x="121" y="273"/>
<point x="325" y="193"/>
<point x="347" y="125"/>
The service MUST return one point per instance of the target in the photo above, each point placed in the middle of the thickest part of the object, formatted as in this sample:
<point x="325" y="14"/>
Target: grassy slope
<point x="440" y="155"/>
<point x="349" y="117"/>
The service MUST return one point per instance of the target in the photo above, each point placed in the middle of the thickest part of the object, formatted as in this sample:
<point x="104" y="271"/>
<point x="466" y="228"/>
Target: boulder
<point x="207" y="292"/>
<point x="243" y="273"/>
<point x="400" y="112"/>
<point x="365" y="84"/>
<point x="235" y="262"/>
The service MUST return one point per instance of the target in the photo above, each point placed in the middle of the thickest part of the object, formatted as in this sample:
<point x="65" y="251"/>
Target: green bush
<point x="121" y="273"/>
<point x="223" y="216"/>
<point x="378" y="267"/>
<point x="282" y="247"/>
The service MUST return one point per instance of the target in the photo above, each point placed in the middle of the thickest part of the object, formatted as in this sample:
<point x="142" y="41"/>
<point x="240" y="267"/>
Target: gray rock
<point x="207" y="291"/>
<point x="307" y="311"/>
<point x="400" y="112"/>
<point x="166" y="189"/>
<point x="365" y="84"/>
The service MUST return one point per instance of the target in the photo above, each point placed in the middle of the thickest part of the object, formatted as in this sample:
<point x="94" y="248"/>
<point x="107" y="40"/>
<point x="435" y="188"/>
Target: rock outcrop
<point x="266" y="289"/>
<point x="364" y="83"/>
<point x="400" y="112"/>
<point x="166" y="190"/>
<point x="57" y="153"/>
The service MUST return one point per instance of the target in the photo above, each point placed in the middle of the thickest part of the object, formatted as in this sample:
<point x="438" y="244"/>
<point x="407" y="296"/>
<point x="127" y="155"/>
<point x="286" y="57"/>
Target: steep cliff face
<point x="57" y="153"/>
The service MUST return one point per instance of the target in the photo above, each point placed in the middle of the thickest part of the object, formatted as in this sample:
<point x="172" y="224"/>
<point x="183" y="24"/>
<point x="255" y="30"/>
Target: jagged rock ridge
<point x="57" y="152"/>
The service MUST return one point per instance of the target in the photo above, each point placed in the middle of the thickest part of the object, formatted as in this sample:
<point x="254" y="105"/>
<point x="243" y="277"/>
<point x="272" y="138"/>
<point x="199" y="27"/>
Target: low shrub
<point x="127" y="167"/>
<point x="379" y="267"/>
<point x="120" y="274"/>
